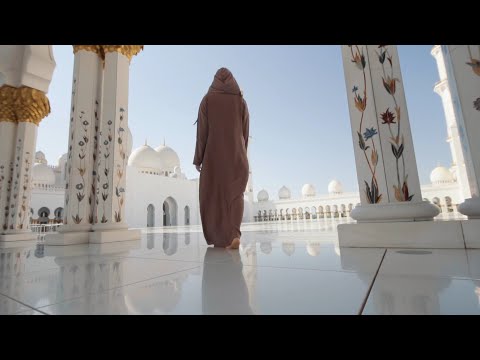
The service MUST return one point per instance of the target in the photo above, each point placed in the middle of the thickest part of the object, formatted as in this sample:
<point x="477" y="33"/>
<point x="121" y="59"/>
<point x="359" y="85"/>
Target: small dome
<point x="169" y="157"/>
<point x="288" y="247"/>
<point x="145" y="157"/>
<point x="335" y="187"/>
<point x="441" y="175"/>
<point x="262" y="195"/>
<point x="43" y="174"/>
<point x="284" y="193"/>
<point x="313" y="248"/>
<point x="308" y="190"/>
<point x="40" y="158"/>
<point x="177" y="173"/>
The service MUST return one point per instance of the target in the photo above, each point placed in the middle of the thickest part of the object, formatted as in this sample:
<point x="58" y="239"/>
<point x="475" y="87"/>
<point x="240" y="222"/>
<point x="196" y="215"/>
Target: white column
<point x="463" y="71"/>
<point x="385" y="159"/>
<point x="84" y="114"/>
<point x="443" y="90"/>
<point x="8" y="130"/>
<point x="110" y="224"/>
<point x="30" y="107"/>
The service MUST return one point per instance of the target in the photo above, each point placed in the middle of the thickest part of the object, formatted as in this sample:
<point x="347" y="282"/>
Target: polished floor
<point x="279" y="269"/>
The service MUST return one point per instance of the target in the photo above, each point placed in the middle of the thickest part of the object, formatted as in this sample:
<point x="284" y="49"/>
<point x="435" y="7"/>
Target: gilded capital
<point x="128" y="50"/>
<point x="92" y="48"/>
<point x="23" y="104"/>
<point x="7" y="107"/>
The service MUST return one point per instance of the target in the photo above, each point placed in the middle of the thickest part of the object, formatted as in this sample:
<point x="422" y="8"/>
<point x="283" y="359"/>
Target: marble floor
<point x="279" y="269"/>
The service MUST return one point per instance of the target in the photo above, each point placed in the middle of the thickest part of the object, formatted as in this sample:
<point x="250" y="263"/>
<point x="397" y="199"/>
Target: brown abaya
<point x="221" y="149"/>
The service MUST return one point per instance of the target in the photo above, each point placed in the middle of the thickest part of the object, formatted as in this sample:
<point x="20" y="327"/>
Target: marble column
<point x="463" y="71"/>
<point x="442" y="88"/>
<point x="111" y="162"/>
<point x="8" y="130"/>
<point x="85" y="113"/>
<point x="384" y="155"/>
<point x="30" y="106"/>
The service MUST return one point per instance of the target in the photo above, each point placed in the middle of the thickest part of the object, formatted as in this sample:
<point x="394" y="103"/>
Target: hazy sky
<point x="297" y="100"/>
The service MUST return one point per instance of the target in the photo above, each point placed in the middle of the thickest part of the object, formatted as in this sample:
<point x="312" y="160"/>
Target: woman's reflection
<point x="224" y="290"/>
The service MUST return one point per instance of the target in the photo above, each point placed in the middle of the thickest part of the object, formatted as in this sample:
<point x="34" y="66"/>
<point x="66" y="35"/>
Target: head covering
<point x="224" y="82"/>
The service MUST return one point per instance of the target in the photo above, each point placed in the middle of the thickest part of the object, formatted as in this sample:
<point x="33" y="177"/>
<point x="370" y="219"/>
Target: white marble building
<point x="160" y="195"/>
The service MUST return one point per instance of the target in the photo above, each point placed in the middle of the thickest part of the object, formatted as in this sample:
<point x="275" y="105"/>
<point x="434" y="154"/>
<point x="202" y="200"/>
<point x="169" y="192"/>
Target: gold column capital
<point x="23" y="104"/>
<point x="7" y="107"/>
<point x="128" y="50"/>
<point x="92" y="48"/>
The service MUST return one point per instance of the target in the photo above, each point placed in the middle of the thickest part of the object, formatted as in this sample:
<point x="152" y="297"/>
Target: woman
<point x="221" y="159"/>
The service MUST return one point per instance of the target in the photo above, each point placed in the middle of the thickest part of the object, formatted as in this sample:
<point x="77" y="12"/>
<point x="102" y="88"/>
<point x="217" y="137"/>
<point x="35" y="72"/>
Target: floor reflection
<point x="225" y="291"/>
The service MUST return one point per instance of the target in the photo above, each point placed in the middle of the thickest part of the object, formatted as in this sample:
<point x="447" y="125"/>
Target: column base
<point x="67" y="238"/>
<point x="411" y="234"/>
<point x="25" y="236"/>
<point x="395" y="212"/>
<point x="105" y="233"/>
<point x="470" y="207"/>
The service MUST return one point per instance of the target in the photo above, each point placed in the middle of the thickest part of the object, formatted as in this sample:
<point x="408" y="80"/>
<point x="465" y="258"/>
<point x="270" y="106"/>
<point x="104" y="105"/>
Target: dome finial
<point x="164" y="141"/>
<point x="145" y="141"/>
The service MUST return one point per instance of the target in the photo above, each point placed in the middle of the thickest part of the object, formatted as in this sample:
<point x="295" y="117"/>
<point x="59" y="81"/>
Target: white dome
<point x="40" y="158"/>
<point x="169" y="157"/>
<point x="288" y="247"/>
<point x="284" y="193"/>
<point x="441" y="175"/>
<point x="43" y="174"/>
<point x="308" y="190"/>
<point x="262" y="195"/>
<point x="313" y="248"/>
<point x="335" y="187"/>
<point x="146" y="157"/>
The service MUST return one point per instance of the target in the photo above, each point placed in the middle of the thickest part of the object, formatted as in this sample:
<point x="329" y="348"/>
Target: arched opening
<point x="43" y="214"/>
<point x="321" y="214"/>
<point x="343" y="210"/>
<point x="169" y="212"/>
<point x="328" y="212"/>
<point x="187" y="215"/>
<point x="150" y="215"/>
<point x="314" y="212"/>
<point x="58" y="214"/>
<point x="448" y="203"/>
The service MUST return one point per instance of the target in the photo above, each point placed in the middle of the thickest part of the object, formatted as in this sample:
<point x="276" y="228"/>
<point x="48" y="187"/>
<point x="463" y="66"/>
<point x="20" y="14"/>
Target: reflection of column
<point x="84" y="116"/>
<point x="12" y="269"/>
<point x="111" y="164"/>
<point x="463" y="71"/>
<point x="385" y="159"/>
<point x="30" y="106"/>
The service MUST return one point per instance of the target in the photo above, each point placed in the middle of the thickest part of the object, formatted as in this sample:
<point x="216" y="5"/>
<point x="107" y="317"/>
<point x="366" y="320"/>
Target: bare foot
<point x="234" y="245"/>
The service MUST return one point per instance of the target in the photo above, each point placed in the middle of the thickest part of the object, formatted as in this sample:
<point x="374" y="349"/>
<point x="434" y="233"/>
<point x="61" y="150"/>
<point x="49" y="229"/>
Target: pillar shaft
<point x="383" y="145"/>
<point x="84" y="115"/>
<point x="463" y="72"/>
<point x="21" y="111"/>
<point x="112" y="159"/>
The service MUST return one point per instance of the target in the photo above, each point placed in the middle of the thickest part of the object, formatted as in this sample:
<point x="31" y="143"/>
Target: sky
<point x="297" y="100"/>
